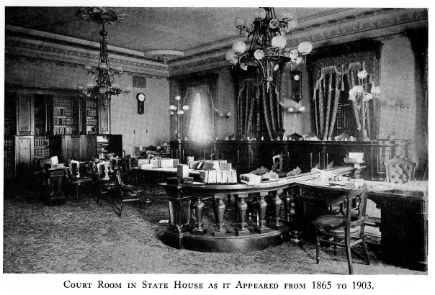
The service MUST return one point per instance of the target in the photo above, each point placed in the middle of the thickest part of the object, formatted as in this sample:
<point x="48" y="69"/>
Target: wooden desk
<point x="404" y="216"/>
<point x="264" y="199"/>
<point x="54" y="193"/>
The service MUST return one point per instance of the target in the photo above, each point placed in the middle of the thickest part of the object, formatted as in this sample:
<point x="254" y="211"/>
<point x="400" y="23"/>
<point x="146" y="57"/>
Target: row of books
<point x="218" y="176"/>
<point x="65" y="121"/>
<point x="64" y="112"/>
<point x="42" y="152"/>
<point x="63" y="102"/>
<point x="91" y="104"/>
<point x="41" y="141"/>
<point x="92" y="113"/>
<point x="65" y="130"/>
<point x="157" y="163"/>
<point x="91" y="122"/>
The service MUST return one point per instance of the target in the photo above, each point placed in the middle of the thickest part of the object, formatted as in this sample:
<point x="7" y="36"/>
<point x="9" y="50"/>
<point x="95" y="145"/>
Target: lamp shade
<point x="362" y="74"/>
<point x="177" y="97"/>
<point x="260" y="13"/>
<point x="293" y="24"/>
<point x="305" y="48"/>
<point x="376" y="90"/>
<point x="279" y="42"/>
<point x="172" y="107"/>
<point x="239" y="47"/>
<point x="231" y="55"/>
<point x="287" y="15"/>
<point x="186" y="107"/>
<point x="240" y="22"/>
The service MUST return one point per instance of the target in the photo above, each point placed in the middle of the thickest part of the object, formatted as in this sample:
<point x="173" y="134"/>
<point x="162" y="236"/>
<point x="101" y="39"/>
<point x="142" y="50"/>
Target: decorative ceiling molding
<point x="31" y="48"/>
<point x="367" y="25"/>
<point x="325" y="29"/>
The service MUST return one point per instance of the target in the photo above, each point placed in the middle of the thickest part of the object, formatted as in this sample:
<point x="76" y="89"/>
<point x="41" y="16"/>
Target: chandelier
<point x="104" y="75"/>
<point x="267" y="51"/>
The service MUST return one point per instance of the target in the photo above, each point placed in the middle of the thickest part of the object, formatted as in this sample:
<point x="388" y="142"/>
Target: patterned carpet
<point x="82" y="237"/>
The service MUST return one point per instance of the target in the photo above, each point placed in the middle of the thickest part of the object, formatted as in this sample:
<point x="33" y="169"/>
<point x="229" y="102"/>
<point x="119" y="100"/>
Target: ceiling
<point x="149" y="28"/>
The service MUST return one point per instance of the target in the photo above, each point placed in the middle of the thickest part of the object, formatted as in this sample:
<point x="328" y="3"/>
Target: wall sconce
<point x="296" y="111"/>
<point x="226" y="116"/>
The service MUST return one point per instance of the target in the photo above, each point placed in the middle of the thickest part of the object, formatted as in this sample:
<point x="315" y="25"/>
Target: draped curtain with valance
<point x="200" y="94"/>
<point x="333" y="78"/>
<point x="258" y="110"/>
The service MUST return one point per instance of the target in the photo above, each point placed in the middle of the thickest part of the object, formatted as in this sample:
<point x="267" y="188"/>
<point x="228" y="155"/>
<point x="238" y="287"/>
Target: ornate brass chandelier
<point x="267" y="51"/>
<point x="104" y="75"/>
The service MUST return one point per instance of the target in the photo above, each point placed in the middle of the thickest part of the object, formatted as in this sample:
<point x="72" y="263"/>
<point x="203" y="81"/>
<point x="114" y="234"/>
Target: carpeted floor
<point x="82" y="237"/>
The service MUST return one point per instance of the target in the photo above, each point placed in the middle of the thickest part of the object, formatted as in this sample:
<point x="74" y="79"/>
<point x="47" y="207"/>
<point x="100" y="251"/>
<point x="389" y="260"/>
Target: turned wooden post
<point x="199" y="211"/>
<point x="261" y="214"/>
<point x="219" y="214"/>
<point x="241" y="214"/>
<point x="287" y="205"/>
<point x="277" y="206"/>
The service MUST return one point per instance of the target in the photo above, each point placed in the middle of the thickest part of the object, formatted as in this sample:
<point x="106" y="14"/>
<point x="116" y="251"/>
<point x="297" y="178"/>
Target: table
<point x="265" y="200"/>
<point x="404" y="216"/>
<point x="153" y="176"/>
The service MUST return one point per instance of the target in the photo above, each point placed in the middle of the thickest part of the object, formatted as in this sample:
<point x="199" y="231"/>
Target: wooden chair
<point x="79" y="176"/>
<point x="345" y="229"/>
<point x="399" y="170"/>
<point x="129" y="192"/>
<point x="281" y="164"/>
<point x="107" y="181"/>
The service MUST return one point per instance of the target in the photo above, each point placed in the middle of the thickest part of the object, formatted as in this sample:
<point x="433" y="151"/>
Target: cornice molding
<point x="79" y="57"/>
<point x="338" y="26"/>
<point x="368" y="24"/>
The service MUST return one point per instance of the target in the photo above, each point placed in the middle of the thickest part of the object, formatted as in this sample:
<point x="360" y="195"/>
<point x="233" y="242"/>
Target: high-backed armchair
<point x="399" y="170"/>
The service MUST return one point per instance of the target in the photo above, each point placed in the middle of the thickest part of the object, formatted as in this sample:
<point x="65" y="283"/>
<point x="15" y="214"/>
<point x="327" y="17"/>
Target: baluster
<point x="277" y="206"/>
<point x="261" y="214"/>
<point x="287" y="205"/>
<point x="219" y="215"/>
<point x="199" y="211"/>
<point x="241" y="230"/>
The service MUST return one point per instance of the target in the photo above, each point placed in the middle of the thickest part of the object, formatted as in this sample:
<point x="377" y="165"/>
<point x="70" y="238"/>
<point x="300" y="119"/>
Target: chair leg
<point x="348" y="252"/>
<point x="77" y="191"/>
<point x="317" y="249"/>
<point x="335" y="247"/>
<point x="363" y="242"/>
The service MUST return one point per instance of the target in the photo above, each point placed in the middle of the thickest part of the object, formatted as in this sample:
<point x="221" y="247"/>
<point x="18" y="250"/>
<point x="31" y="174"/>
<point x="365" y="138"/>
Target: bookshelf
<point x="91" y="117"/>
<point x="65" y="116"/>
<point x="41" y="146"/>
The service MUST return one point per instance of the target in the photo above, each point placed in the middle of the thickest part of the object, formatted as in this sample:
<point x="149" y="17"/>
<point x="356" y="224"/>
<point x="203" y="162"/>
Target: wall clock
<point x="140" y="103"/>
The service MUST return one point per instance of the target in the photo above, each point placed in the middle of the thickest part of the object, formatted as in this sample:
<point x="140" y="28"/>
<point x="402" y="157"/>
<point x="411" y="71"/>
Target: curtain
<point x="333" y="77"/>
<point x="259" y="112"/>
<point x="200" y="118"/>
